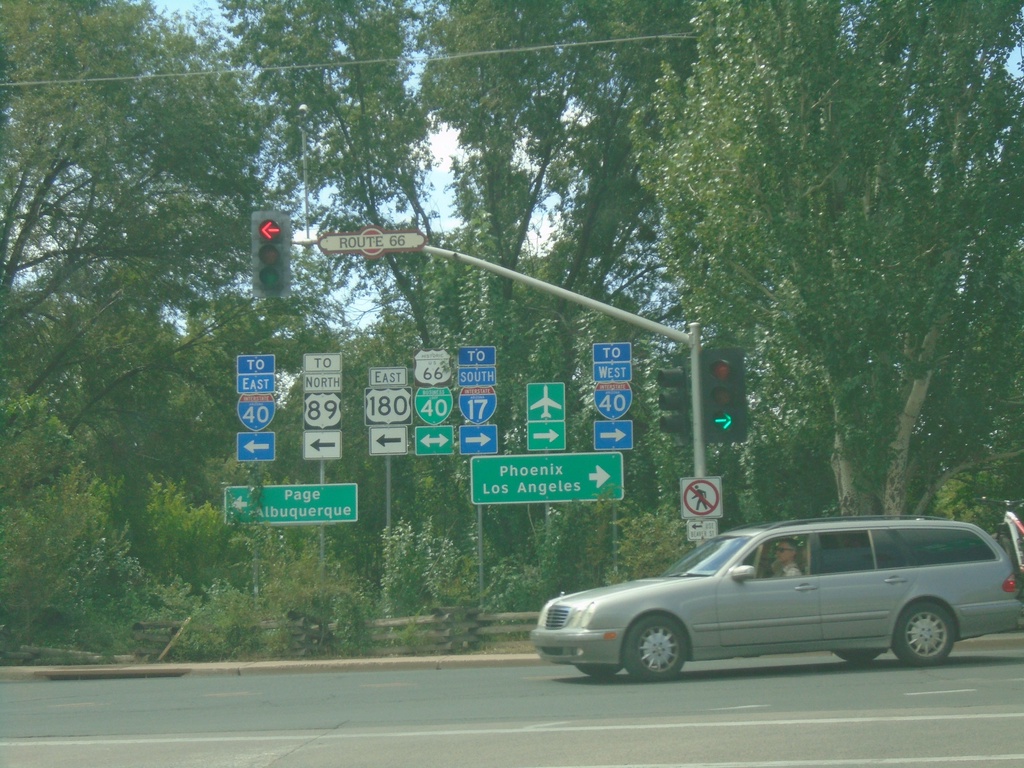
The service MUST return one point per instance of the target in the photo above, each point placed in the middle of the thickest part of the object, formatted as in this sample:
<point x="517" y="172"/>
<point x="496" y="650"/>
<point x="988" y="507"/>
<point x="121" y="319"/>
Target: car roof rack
<point x="852" y="519"/>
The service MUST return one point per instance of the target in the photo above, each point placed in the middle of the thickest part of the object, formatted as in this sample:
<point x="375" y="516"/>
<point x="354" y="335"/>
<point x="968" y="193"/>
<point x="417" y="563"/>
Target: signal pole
<point x="692" y="339"/>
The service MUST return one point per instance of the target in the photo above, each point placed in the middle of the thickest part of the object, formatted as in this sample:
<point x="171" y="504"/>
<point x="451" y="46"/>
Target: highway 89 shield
<point x="321" y="410"/>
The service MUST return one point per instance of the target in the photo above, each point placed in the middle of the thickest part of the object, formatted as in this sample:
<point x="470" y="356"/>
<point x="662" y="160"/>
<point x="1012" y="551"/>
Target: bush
<point x="422" y="571"/>
<point x="650" y="544"/>
<point x="325" y="595"/>
<point x="512" y="585"/>
<point x="68" y="580"/>
<point x="227" y="626"/>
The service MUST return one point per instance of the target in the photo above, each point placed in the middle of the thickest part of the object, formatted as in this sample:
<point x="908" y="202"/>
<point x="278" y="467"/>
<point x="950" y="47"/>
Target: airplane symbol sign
<point x="543" y="398"/>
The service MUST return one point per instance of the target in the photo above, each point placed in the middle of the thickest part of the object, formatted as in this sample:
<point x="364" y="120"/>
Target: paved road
<point x="774" y="712"/>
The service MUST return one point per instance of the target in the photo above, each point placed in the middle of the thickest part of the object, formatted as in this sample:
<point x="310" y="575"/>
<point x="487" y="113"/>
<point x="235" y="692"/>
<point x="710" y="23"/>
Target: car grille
<point x="557" y="616"/>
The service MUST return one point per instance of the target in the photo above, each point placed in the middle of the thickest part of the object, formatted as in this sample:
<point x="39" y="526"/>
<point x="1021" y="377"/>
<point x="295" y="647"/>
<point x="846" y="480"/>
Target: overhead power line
<point x="342" y="64"/>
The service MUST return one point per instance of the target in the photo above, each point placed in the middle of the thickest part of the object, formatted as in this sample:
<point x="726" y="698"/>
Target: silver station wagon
<point x="855" y="586"/>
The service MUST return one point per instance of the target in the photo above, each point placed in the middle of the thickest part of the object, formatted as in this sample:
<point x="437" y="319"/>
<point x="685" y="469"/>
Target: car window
<point x="842" y="552"/>
<point x="939" y="546"/>
<point x="779" y="556"/>
<point x="889" y="551"/>
<point x="708" y="557"/>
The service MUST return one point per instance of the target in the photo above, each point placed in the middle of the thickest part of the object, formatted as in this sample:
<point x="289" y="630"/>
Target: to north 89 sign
<point x="322" y="410"/>
<point x="388" y="406"/>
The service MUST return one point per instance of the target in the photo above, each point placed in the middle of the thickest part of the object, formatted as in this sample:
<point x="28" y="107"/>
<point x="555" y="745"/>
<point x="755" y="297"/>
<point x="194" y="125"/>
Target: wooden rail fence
<point x="447" y="630"/>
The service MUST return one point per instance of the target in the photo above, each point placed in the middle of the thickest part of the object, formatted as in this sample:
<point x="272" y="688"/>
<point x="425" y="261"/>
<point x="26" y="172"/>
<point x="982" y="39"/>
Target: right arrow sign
<point x="548" y="478"/>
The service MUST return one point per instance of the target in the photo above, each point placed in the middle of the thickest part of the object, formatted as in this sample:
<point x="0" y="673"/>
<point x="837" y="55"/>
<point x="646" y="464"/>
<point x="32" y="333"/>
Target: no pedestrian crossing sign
<point x="701" y="497"/>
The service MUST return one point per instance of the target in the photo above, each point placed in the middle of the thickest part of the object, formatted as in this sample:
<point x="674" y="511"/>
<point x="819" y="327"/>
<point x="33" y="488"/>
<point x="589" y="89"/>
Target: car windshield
<point x="708" y="557"/>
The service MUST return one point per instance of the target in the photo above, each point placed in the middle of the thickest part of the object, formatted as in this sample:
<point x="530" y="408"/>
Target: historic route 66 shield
<point x="433" y="368"/>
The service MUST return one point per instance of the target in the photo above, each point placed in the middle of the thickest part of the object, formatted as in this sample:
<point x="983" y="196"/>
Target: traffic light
<point x="674" y="399"/>
<point x="271" y="254"/>
<point x="723" y="396"/>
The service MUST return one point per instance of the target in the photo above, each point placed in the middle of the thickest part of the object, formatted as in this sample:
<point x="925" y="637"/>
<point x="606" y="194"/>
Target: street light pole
<point x="303" y="111"/>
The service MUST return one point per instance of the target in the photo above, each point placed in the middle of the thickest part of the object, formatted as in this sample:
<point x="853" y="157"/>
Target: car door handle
<point x="806" y="587"/>
<point x="895" y="580"/>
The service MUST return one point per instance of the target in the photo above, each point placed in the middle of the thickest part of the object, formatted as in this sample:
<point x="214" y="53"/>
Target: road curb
<point x="1003" y="641"/>
<point x="243" y="668"/>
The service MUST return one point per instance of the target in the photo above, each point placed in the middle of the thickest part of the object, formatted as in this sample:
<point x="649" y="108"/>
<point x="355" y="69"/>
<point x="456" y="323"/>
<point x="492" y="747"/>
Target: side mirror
<point x="742" y="572"/>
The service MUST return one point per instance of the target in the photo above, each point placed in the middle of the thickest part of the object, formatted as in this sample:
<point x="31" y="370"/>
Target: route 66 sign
<point x="433" y="368"/>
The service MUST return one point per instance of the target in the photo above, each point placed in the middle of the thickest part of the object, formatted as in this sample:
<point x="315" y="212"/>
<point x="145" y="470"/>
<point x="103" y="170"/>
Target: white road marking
<point x="803" y="723"/>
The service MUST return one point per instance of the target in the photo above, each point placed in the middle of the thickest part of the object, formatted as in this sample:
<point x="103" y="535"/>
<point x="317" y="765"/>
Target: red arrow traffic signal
<point x="271" y="233"/>
<point x="269" y="229"/>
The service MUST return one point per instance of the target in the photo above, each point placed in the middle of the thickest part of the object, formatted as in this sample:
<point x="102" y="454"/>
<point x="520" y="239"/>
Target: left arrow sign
<point x="255" y="446"/>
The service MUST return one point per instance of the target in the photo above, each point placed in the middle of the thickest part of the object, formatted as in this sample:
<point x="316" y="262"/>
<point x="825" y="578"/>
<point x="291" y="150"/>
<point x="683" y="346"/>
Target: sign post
<point x="321" y="406"/>
<point x="254" y="379"/>
<point x="701" y="500"/>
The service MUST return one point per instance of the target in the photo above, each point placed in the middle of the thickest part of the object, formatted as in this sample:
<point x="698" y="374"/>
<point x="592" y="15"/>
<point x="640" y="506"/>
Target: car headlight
<point x="581" y="618"/>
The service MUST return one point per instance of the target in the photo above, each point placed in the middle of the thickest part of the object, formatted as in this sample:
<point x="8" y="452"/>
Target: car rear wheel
<point x="654" y="649"/>
<point x="599" y="671"/>
<point x="924" y="636"/>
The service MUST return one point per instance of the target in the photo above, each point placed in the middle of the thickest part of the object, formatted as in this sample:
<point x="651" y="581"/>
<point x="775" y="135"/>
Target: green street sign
<point x="545" y="436"/>
<point x="546" y="478"/>
<point x="293" y="504"/>
<point x="433" y="404"/>
<point x="435" y="441"/>
<point x="545" y="401"/>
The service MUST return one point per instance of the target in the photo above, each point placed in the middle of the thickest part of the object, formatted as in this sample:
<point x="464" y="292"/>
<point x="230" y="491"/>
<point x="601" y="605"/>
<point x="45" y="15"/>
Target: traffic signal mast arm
<point x="691" y="339"/>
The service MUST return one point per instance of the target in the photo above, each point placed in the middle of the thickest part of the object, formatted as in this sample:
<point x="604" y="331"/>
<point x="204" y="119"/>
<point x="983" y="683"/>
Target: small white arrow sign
<point x="252" y="446"/>
<point x="435" y="440"/>
<point x="599" y="476"/>
<point x="481" y="439"/>
<point x="550" y="435"/>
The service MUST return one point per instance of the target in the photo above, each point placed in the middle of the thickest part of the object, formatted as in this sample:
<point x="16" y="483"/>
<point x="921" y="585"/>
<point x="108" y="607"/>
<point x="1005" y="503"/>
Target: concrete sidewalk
<point x="1010" y="641"/>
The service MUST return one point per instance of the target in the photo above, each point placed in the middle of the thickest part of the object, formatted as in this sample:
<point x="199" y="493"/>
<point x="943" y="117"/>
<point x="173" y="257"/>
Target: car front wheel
<point x="924" y="636"/>
<point x="654" y="649"/>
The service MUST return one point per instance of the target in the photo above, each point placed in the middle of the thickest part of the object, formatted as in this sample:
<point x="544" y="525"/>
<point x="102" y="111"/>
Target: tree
<point x="842" y="193"/>
<point x="125" y="191"/>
